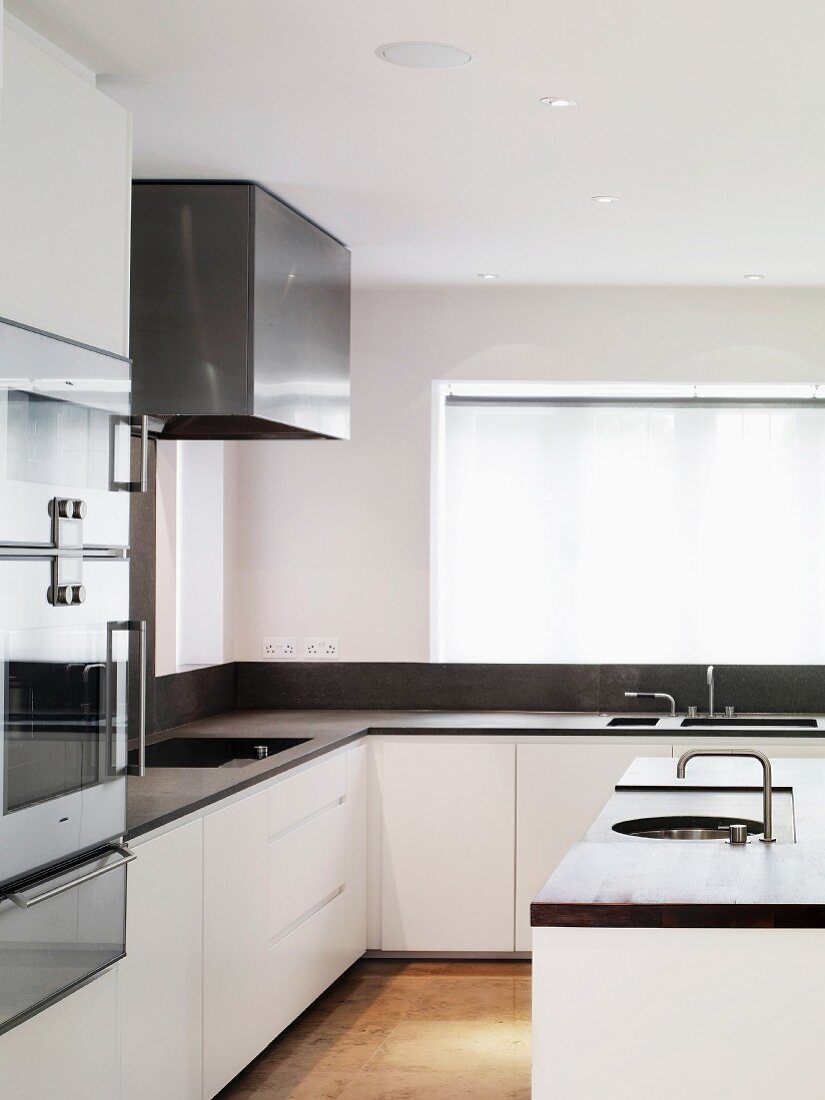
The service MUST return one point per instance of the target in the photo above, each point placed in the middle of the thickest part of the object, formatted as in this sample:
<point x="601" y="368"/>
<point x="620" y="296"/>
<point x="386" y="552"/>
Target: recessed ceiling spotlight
<point x="487" y="275"/>
<point x="424" y="55"/>
<point x="556" y="101"/>
<point x="603" y="198"/>
<point x="755" y="278"/>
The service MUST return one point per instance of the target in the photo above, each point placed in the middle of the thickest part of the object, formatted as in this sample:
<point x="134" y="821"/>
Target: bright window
<point x="633" y="530"/>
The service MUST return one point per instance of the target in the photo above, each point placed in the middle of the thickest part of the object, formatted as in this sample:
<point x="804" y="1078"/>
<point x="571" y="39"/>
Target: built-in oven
<point x="67" y="645"/>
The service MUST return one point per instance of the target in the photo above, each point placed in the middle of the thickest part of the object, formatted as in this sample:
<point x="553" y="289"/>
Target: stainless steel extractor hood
<point x="240" y="313"/>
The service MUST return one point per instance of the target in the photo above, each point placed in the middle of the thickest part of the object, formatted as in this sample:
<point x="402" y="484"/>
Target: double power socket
<point x="313" y="649"/>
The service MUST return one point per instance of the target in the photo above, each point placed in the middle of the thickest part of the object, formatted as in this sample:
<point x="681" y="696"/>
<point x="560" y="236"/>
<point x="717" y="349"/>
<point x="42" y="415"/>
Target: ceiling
<point x="704" y="118"/>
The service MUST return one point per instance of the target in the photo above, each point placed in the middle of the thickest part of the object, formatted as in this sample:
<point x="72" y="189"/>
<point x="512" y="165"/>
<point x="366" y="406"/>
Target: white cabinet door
<point x="235" y="886"/>
<point x="448" y="845"/>
<point x="284" y="906"/>
<point x="65" y="194"/>
<point x="68" y="1051"/>
<point x="561" y="791"/>
<point x="162" y="974"/>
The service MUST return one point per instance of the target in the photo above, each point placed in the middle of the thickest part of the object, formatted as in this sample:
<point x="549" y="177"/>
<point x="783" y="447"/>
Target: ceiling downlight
<point x="424" y="55"/>
<point x="557" y="101"/>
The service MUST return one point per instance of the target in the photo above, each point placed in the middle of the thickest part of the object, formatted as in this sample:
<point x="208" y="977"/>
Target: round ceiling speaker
<point x="424" y="55"/>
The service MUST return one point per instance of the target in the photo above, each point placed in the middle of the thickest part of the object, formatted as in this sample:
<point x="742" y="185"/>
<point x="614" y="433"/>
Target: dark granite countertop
<point x="165" y="794"/>
<point x="611" y="880"/>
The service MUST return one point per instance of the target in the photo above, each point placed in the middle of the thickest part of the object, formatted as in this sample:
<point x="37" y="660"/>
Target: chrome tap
<point x="652" y="695"/>
<point x="767" y="784"/>
<point x="710" y="691"/>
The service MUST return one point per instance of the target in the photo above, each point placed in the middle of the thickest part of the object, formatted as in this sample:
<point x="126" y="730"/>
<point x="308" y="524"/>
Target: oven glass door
<point x="58" y="930"/>
<point x="52" y="448"/>
<point x="63" y="705"/>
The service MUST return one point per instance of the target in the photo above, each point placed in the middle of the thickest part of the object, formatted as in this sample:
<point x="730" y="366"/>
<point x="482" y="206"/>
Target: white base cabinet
<point x="448" y="840"/>
<point x="67" y="1052"/>
<point x="162" y="975"/>
<point x="284" y="906"/>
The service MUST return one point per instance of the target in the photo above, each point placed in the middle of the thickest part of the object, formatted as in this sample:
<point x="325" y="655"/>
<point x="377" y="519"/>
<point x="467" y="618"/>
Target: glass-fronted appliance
<point x="66" y="646"/>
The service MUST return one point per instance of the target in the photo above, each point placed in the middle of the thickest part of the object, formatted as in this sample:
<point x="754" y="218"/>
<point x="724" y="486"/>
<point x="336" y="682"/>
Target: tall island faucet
<point x="767" y="784"/>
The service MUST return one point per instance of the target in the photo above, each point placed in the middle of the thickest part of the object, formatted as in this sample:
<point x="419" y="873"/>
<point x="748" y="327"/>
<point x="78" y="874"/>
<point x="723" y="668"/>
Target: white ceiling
<point x="704" y="117"/>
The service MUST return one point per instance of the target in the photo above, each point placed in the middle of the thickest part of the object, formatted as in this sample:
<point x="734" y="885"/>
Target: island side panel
<point x="643" y="1013"/>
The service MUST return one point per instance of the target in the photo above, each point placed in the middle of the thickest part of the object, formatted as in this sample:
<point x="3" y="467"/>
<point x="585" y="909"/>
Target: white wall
<point x="334" y="538"/>
<point x="195" y="549"/>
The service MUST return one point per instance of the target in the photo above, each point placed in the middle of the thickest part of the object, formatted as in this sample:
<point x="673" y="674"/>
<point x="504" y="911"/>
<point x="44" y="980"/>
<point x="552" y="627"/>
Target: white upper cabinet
<point x="65" y="168"/>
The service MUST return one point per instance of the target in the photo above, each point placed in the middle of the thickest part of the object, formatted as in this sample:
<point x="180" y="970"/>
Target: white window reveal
<point x="682" y="526"/>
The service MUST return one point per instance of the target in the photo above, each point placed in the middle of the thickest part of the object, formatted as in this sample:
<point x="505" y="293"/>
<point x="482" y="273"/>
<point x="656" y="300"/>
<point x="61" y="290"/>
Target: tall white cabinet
<point x="161" y="978"/>
<point x="65" y="191"/>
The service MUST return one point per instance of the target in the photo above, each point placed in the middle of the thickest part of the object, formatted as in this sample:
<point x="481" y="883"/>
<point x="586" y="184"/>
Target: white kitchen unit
<point x="448" y="840"/>
<point x="65" y="191"/>
<point x="676" y="1011"/>
<point x="284" y="905"/>
<point x="161" y="977"/>
<point x="67" y="1052"/>
<point x="561" y="787"/>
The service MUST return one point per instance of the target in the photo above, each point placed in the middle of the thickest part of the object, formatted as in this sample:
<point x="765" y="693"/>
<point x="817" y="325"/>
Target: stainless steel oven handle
<point x="144" y="455"/>
<point x="26" y="903"/>
<point x="140" y="769"/>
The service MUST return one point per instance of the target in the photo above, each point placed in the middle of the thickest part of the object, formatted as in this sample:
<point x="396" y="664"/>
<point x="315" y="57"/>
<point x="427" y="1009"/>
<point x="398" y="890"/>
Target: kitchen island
<point x="659" y="964"/>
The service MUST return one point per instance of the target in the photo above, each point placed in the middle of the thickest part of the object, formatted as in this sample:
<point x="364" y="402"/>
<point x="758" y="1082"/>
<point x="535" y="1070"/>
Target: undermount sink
<point x="685" y="827"/>
<point x="213" y="752"/>
<point x="781" y="723"/>
<point x="633" y="722"/>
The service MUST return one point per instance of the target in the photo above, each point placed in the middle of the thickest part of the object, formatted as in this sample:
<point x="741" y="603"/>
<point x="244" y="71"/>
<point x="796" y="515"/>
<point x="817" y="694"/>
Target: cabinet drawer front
<point x="307" y="868"/>
<point x="306" y="962"/>
<point x="305" y="794"/>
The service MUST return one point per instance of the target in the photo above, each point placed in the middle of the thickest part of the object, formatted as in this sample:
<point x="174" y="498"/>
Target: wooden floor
<point x="396" y="1030"/>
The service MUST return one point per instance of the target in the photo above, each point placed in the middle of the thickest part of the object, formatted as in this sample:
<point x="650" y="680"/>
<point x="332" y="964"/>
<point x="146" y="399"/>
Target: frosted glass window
<point x="632" y="533"/>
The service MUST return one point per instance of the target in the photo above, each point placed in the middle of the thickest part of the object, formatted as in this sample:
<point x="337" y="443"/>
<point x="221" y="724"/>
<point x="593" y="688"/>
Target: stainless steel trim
<point x="26" y="903"/>
<point x="144" y="454"/>
<point x="142" y="711"/>
<point x="20" y="553"/>
<point x="710" y="691"/>
<point x="142" y="483"/>
<point x="137" y="626"/>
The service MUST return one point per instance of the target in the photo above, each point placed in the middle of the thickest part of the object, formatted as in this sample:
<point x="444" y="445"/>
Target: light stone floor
<point x="396" y="1030"/>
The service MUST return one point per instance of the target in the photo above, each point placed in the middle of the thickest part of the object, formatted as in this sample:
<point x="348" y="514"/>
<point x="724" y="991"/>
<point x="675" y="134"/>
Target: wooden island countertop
<point x="611" y="880"/>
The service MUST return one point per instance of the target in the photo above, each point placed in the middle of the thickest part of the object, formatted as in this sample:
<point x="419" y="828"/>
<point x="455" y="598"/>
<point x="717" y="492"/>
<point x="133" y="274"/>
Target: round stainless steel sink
<point x="685" y="827"/>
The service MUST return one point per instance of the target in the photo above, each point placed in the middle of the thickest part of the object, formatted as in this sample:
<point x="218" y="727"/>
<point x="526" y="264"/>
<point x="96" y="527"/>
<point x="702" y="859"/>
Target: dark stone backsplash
<point x="311" y="685"/>
<point x="194" y="694"/>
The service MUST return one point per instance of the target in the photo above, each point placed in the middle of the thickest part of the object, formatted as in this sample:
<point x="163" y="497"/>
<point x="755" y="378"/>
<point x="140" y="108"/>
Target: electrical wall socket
<point x="321" y="649"/>
<point x="280" y="649"/>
